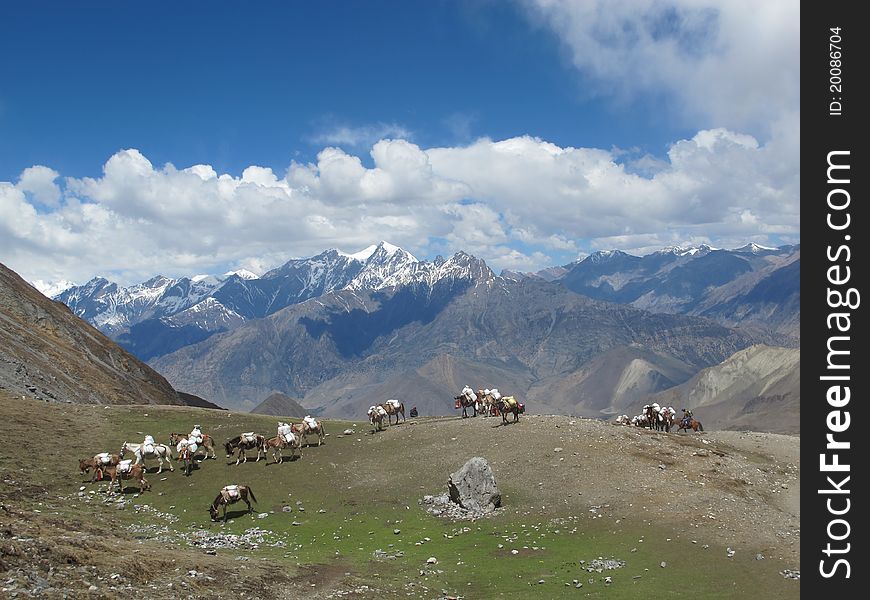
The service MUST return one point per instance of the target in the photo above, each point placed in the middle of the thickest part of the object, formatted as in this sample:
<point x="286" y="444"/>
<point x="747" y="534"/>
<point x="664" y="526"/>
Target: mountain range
<point x="342" y="331"/>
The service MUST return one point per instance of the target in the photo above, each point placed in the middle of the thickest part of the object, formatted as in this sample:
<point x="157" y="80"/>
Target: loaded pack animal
<point x="668" y="417"/>
<point x="465" y="399"/>
<point x="230" y="495"/>
<point x="653" y="416"/>
<point x="98" y="463"/>
<point x="691" y="423"/>
<point x="206" y="446"/>
<point x="509" y="404"/>
<point x="310" y="426"/>
<point x="376" y="416"/>
<point x="394" y="407"/>
<point x="127" y="470"/>
<point x="279" y="442"/>
<point x="186" y="451"/>
<point x="161" y="452"/>
<point x="244" y="442"/>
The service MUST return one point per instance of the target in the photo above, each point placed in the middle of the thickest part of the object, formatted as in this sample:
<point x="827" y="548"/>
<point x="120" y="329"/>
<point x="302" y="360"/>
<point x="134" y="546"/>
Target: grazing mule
<point x="277" y="445"/>
<point x="508" y="404"/>
<point x="136" y="472"/>
<point x="692" y="423"/>
<point x="304" y="429"/>
<point x="98" y="464"/>
<point x="159" y="451"/>
<point x="230" y="495"/>
<point x="207" y="443"/>
<point x="394" y="410"/>
<point x="240" y="444"/>
<point x="667" y="421"/>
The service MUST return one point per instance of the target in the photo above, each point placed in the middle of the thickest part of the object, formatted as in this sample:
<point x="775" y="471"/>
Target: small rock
<point x="663" y="564"/>
<point x="431" y="561"/>
<point x="348" y="432"/>
<point x="578" y="585"/>
<point x="759" y="556"/>
<point x="287" y="509"/>
<point x="92" y="588"/>
<point x="608" y="580"/>
<point x="515" y="551"/>
<point x="540" y="581"/>
<point x="397" y="531"/>
<point x="557" y="449"/>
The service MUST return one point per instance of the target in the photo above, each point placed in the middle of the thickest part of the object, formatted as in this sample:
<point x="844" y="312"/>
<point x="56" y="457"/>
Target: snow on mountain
<point x="243" y="273"/>
<point x="755" y="248"/>
<point x="50" y="289"/>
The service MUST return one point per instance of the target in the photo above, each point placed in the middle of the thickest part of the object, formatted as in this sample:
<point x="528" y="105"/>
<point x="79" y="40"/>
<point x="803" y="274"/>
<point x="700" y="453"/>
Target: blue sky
<point x="97" y="98"/>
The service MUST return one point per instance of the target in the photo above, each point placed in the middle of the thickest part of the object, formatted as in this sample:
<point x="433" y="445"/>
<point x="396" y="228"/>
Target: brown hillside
<point x="48" y="353"/>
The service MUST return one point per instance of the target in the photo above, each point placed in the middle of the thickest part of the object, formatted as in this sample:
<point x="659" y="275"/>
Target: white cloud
<point x="516" y="203"/>
<point x="361" y="136"/>
<point x="729" y="63"/>
<point x="39" y="181"/>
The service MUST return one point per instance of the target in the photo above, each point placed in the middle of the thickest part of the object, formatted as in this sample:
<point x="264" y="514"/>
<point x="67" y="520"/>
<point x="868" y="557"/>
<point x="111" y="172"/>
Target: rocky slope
<point x="48" y="353"/>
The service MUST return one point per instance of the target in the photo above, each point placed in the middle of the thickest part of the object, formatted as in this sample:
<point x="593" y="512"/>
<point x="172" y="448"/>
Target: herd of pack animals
<point x="199" y="445"/>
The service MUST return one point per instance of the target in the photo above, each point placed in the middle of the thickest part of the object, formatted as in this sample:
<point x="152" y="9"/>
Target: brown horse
<point x="97" y="463"/>
<point x="508" y="404"/>
<point x="230" y="495"/>
<point x="207" y="443"/>
<point x="303" y="429"/>
<point x="237" y="443"/>
<point x="392" y="410"/>
<point x="695" y="425"/>
<point x="134" y="472"/>
<point x="277" y="445"/>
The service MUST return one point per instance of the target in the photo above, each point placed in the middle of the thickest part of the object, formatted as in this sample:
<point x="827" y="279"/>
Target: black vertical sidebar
<point x="835" y="233"/>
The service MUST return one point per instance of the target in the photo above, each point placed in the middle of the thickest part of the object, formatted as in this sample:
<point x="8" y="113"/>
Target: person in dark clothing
<point x="413" y="411"/>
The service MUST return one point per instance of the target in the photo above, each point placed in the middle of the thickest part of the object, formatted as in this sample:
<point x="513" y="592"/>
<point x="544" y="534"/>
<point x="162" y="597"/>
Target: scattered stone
<point x="759" y="556"/>
<point x="515" y="551"/>
<point x="557" y="449"/>
<point x="540" y="581"/>
<point x="431" y="561"/>
<point x="603" y="564"/>
<point x="730" y="552"/>
<point x="348" y="432"/>
<point x="578" y="585"/>
<point x="608" y="580"/>
<point x="663" y="564"/>
<point x="397" y="531"/>
<point x="790" y="574"/>
<point x="287" y="509"/>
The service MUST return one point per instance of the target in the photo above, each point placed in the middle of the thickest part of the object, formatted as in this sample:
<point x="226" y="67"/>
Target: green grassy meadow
<point x="351" y="495"/>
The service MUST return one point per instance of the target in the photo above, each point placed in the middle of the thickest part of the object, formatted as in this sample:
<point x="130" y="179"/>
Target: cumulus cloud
<point x="520" y="203"/>
<point x="39" y="181"/>
<point x="729" y="63"/>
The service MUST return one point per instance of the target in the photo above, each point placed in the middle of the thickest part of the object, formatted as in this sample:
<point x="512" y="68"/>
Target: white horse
<point x="159" y="451"/>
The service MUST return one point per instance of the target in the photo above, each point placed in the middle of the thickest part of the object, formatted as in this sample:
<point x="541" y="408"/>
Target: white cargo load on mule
<point x="310" y="421"/>
<point x="195" y="435"/>
<point x="230" y="492"/>
<point x="249" y="437"/>
<point x="148" y="445"/>
<point x="125" y="465"/>
<point x="103" y="458"/>
<point x="394" y="403"/>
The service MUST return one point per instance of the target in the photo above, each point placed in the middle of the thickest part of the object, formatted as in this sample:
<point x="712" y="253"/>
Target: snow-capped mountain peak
<point x="50" y="289"/>
<point x="243" y="273"/>
<point x="754" y="248"/>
